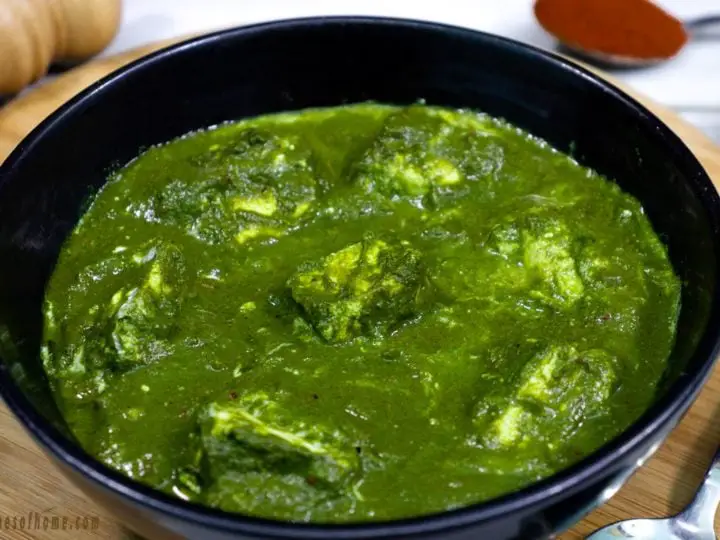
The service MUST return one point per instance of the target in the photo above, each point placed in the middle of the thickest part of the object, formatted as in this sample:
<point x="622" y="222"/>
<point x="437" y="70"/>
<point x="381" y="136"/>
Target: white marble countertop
<point x="690" y="83"/>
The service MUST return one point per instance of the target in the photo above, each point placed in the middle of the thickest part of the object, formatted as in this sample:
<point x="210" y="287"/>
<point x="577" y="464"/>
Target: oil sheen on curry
<point x="356" y="313"/>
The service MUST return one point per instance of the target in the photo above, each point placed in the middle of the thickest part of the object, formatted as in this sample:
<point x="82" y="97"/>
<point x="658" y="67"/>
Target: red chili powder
<point x="635" y="28"/>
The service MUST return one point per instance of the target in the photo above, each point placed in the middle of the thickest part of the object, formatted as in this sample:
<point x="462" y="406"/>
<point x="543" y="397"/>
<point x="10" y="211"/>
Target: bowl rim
<point x="594" y="467"/>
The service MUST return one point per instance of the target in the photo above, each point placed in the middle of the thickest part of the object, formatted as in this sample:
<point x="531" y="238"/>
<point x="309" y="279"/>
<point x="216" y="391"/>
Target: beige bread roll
<point x="34" y="33"/>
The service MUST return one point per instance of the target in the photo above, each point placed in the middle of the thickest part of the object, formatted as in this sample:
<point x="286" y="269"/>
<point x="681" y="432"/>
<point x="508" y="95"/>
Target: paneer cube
<point x="365" y="289"/>
<point x="535" y="254"/>
<point x="134" y="325"/>
<point x="556" y="392"/>
<point x="547" y="254"/>
<point x="259" y="445"/>
<point x="248" y="187"/>
<point x="420" y="150"/>
<point x="141" y="317"/>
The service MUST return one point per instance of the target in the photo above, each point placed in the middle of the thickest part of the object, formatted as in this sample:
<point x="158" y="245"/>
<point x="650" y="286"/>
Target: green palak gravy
<point x="356" y="313"/>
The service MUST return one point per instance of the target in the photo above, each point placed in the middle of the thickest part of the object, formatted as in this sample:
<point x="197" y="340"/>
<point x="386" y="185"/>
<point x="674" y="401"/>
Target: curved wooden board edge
<point x="22" y="114"/>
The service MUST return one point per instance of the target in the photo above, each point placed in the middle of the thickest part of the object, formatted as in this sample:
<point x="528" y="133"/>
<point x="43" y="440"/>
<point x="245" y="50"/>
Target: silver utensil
<point x="696" y="522"/>
<point x="694" y="27"/>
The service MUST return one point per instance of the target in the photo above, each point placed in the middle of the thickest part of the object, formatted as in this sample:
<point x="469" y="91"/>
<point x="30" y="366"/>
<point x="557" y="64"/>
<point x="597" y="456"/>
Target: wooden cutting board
<point x="32" y="489"/>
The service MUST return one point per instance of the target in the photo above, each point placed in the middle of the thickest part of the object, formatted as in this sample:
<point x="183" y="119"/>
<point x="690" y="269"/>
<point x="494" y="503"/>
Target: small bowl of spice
<point x="619" y="33"/>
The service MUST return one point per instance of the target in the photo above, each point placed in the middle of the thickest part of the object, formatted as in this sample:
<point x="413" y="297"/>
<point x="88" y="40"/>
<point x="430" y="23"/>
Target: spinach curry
<point x="356" y="313"/>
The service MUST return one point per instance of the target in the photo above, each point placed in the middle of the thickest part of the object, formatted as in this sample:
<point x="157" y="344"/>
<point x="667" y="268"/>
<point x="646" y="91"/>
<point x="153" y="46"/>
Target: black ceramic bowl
<point x="45" y="184"/>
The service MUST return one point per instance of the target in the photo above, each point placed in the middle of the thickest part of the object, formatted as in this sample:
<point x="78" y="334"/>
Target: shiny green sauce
<point x="356" y="313"/>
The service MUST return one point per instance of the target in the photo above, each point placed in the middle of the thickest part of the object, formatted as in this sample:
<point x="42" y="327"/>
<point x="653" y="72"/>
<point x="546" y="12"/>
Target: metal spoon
<point x="693" y="27"/>
<point x="696" y="522"/>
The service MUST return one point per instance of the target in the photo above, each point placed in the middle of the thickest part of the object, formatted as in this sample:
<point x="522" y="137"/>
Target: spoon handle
<point x="699" y="23"/>
<point x="700" y="514"/>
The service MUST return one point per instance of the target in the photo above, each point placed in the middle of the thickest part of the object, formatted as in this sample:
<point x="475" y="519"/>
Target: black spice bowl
<point x="294" y="64"/>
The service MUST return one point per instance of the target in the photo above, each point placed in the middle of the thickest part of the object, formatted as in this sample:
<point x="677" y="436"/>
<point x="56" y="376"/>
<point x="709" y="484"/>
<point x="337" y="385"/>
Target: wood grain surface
<point x="30" y="487"/>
